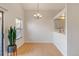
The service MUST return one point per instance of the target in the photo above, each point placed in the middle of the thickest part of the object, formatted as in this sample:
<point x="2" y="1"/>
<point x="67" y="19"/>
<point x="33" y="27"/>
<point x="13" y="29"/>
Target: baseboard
<point x="20" y="45"/>
<point x="20" y="42"/>
<point x="38" y="41"/>
<point x="59" y="49"/>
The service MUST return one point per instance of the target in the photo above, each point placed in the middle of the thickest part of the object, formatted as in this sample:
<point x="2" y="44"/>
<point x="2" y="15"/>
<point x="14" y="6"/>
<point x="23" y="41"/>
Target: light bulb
<point x="35" y="15"/>
<point x="38" y="14"/>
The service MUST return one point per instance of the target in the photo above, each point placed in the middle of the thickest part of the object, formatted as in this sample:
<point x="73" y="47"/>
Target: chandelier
<point x="37" y="14"/>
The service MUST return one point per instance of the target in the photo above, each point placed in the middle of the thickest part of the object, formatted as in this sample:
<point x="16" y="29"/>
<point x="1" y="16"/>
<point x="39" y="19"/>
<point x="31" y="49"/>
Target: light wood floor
<point x="38" y="49"/>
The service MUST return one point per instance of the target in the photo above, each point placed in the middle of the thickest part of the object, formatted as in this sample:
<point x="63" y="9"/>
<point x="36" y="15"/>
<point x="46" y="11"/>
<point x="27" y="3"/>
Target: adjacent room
<point x="33" y="29"/>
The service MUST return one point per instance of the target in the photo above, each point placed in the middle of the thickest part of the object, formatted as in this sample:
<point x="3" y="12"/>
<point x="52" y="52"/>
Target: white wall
<point x="73" y="29"/>
<point x="14" y="10"/>
<point x="60" y="41"/>
<point x="39" y="30"/>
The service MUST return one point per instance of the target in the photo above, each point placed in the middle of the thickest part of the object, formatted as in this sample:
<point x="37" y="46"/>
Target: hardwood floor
<point x="38" y="49"/>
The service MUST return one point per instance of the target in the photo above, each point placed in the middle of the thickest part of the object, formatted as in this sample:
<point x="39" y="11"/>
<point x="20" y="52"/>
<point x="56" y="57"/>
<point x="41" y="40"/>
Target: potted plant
<point x="12" y="39"/>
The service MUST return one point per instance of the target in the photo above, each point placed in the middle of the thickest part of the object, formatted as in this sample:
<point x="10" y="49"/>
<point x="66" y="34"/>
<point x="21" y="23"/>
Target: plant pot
<point x="12" y="50"/>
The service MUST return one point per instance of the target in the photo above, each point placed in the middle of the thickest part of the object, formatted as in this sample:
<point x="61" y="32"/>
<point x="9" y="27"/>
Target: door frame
<point x="2" y="32"/>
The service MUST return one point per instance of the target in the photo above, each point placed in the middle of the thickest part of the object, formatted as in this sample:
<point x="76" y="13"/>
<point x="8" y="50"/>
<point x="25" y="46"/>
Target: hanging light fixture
<point x="37" y="14"/>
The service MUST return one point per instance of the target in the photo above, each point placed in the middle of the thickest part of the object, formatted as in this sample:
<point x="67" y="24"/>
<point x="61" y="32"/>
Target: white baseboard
<point x="38" y="41"/>
<point x="58" y="48"/>
<point x="20" y="42"/>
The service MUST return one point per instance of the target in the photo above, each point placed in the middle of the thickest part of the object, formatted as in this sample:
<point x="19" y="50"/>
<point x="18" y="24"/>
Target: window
<point x="19" y="28"/>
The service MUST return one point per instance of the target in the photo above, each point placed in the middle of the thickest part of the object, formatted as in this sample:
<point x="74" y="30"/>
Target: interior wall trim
<point x="38" y="41"/>
<point x="3" y="9"/>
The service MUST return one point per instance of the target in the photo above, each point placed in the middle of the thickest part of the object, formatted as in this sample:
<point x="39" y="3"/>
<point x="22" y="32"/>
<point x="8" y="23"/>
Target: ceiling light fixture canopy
<point x="37" y="14"/>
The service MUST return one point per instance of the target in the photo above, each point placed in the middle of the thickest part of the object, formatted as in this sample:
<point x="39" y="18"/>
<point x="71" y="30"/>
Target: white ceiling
<point x="44" y="6"/>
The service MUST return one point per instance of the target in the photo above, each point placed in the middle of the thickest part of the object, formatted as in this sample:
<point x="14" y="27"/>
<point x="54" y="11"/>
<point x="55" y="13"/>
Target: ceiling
<point x="44" y="6"/>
